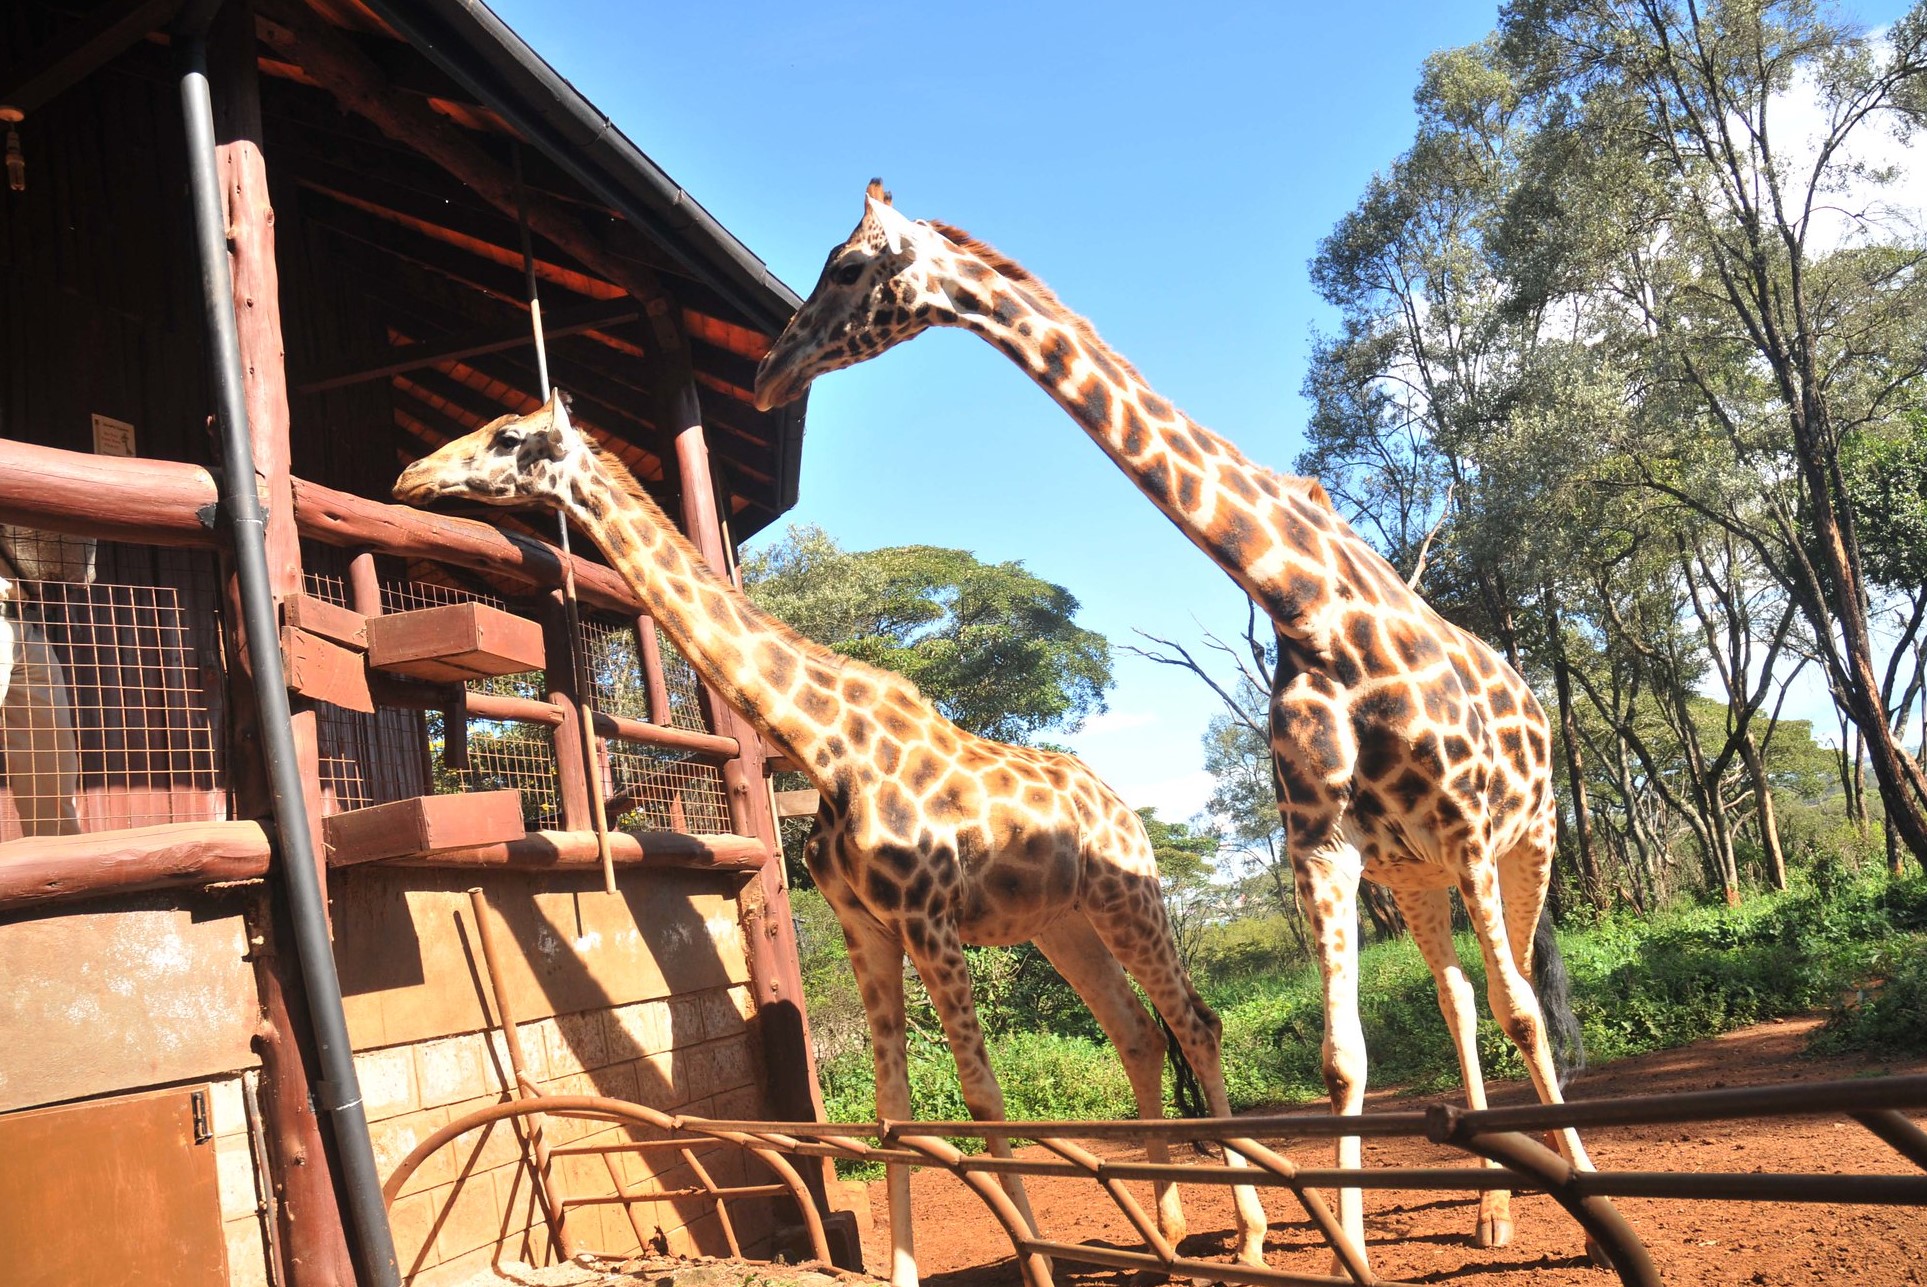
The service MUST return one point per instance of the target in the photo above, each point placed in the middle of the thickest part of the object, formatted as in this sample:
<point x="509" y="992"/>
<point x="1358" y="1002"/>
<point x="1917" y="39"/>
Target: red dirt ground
<point x="1419" y="1237"/>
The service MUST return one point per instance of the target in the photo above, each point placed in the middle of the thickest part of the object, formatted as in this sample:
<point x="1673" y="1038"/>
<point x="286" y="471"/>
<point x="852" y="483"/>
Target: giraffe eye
<point x="847" y="275"/>
<point x="508" y="439"/>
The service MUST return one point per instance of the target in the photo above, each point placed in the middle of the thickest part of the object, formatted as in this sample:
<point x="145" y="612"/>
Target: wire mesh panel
<point x="371" y="759"/>
<point x="106" y="721"/>
<point x="652" y="790"/>
<point x="685" y="690"/>
<point x="503" y="754"/>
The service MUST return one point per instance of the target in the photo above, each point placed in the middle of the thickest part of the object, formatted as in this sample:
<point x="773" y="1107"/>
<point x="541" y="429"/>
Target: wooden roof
<point x="410" y="132"/>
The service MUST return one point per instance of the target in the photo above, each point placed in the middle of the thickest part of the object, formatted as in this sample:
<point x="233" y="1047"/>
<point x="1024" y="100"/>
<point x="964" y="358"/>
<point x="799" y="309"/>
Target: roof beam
<point x="80" y="50"/>
<point x="563" y="321"/>
<point x="359" y="86"/>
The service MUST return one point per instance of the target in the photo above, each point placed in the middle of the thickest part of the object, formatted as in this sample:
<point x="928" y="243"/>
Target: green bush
<point x="1638" y="985"/>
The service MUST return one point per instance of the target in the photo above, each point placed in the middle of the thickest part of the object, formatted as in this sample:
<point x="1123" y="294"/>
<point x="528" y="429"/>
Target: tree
<point x="1760" y="284"/>
<point x="1187" y="861"/>
<point x="993" y="646"/>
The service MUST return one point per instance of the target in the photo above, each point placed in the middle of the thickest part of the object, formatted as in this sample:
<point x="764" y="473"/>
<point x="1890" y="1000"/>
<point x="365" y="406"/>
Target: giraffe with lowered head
<point x="927" y="837"/>
<point x="1405" y="750"/>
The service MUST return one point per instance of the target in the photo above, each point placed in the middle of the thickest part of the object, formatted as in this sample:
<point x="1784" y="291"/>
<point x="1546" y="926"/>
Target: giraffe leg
<point x="1509" y="990"/>
<point x="877" y="959"/>
<point x="1327" y="881"/>
<point x="1077" y="953"/>
<point x="1314" y="753"/>
<point x="1137" y="936"/>
<point x="937" y="952"/>
<point x="1524" y="873"/>
<point x="1428" y="914"/>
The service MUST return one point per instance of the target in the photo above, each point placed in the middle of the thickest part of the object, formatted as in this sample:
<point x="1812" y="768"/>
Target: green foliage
<point x="993" y="646"/>
<point x="1886" y="474"/>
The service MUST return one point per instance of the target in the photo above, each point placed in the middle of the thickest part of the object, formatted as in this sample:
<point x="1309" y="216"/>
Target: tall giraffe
<point x="927" y="837"/>
<point x="1404" y="749"/>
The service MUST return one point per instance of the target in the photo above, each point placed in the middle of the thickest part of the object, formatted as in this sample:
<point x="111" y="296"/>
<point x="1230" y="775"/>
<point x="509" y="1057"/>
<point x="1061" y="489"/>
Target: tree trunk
<point x="1769" y="824"/>
<point x="1591" y="887"/>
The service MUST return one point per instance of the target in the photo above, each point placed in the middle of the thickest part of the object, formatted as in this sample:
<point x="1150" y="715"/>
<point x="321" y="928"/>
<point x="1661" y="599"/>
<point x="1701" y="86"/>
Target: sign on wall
<point x="113" y="437"/>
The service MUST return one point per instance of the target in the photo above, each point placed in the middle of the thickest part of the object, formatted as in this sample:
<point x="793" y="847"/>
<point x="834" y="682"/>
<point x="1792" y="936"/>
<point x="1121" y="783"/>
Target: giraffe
<point x="1405" y="751"/>
<point x="927" y="837"/>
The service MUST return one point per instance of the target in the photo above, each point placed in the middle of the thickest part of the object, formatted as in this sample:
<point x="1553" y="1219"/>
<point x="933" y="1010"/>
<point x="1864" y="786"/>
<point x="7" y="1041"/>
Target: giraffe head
<point x="873" y="294"/>
<point x="511" y="460"/>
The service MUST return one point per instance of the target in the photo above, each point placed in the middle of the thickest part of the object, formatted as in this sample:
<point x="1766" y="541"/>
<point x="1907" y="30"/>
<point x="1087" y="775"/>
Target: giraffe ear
<point x="892" y="224"/>
<point x="548" y="437"/>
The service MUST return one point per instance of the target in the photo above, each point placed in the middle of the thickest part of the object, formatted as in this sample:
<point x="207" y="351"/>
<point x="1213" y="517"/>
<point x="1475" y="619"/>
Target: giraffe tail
<point x="1187" y="1091"/>
<point x="1554" y="988"/>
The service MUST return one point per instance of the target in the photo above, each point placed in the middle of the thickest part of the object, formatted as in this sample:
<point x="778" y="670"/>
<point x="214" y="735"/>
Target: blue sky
<point x="1170" y="176"/>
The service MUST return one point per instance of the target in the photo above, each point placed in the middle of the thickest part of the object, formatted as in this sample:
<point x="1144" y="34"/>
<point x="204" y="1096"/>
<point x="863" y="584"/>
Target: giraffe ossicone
<point x="1405" y="751"/>
<point x="927" y="837"/>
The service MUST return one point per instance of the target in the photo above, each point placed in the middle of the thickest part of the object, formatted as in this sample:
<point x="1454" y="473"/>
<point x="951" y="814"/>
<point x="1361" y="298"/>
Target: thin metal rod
<point x="578" y="655"/>
<point x="338" y="1091"/>
<point x="1204" y="1270"/>
<point x="541" y="1172"/>
<point x="528" y="270"/>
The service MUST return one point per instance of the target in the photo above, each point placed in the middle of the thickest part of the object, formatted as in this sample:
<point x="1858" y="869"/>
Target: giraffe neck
<point x="798" y="694"/>
<point x="1288" y="552"/>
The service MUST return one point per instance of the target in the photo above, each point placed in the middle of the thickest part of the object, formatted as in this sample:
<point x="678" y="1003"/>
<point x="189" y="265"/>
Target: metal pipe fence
<point x="1497" y="1136"/>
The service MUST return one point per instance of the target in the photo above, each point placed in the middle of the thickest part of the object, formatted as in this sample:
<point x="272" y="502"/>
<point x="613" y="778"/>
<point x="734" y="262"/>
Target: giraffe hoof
<point x="1494" y="1231"/>
<point x="1253" y="1254"/>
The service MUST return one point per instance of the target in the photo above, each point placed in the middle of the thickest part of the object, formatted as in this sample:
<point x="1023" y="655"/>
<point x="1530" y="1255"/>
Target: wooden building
<point x="385" y="166"/>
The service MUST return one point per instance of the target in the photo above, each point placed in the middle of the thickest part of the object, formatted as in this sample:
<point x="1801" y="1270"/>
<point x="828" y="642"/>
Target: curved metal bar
<point x="1897" y="1129"/>
<point x="1604" y="1226"/>
<point x="1035" y="1267"/>
<point x="1094" y="1166"/>
<point x="602" y="1108"/>
<point x="1349" y="1254"/>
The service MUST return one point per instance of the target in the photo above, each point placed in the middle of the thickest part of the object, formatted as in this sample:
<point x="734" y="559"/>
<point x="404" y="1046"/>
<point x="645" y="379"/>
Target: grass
<point x="1857" y="948"/>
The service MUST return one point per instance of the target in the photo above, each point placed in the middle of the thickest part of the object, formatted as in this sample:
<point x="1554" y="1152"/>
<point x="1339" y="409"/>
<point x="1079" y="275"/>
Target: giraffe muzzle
<point x="776" y="382"/>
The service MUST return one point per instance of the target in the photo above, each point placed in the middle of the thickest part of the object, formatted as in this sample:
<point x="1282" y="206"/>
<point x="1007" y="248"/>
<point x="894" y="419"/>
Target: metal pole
<point x="339" y="1091"/>
<point x="572" y="617"/>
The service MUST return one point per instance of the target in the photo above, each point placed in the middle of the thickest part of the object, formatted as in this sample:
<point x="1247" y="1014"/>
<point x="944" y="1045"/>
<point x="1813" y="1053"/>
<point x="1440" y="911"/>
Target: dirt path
<point x="1425" y="1238"/>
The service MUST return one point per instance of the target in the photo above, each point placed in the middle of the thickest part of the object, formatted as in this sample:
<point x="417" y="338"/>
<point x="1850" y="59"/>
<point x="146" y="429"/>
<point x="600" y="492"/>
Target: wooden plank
<point x="344" y="626"/>
<point x="455" y="641"/>
<point x="325" y="671"/>
<point x="797" y="804"/>
<point x="43" y="869"/>
<point x="425" y="824"/>
<point x="124" y="1182"/>
<point x="576" y="851"/>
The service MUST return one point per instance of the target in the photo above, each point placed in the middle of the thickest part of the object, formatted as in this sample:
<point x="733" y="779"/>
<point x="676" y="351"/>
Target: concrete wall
<point x="642" y="996"/>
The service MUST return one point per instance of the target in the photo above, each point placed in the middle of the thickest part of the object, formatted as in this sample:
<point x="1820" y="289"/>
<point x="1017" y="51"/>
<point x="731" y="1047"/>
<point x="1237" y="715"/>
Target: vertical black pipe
<point x="339" y="1090"/>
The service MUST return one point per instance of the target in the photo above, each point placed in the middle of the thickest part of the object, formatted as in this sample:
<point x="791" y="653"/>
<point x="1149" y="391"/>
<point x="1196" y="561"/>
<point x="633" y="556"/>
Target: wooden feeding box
<point x="455" y="642"/>
<point x="423" y="824"/>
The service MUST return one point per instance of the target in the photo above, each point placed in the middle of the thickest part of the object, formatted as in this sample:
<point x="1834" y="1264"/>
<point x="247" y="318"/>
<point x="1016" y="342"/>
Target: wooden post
<point x="364" y="585"/>
<point x="571" y="781"/>
<point x="307" y="1210"/>
<point x="776" y="974"/>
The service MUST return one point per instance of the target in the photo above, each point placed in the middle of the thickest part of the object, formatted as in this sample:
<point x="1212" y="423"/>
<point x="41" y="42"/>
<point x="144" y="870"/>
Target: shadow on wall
<point x="642" y="996"/>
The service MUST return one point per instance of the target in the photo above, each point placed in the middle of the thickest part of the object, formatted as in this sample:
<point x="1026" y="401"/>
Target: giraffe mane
<point x="629" y="485"/>
<point x="1013" y="271"/>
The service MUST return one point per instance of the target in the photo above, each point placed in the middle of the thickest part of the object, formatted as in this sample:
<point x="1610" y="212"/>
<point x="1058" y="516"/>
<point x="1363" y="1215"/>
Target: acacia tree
<point x="1724" y="233"/>
<point x="995" y="647"/>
